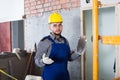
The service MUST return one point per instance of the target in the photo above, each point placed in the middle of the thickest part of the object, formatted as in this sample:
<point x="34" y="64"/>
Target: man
<point x="54" y="52"/>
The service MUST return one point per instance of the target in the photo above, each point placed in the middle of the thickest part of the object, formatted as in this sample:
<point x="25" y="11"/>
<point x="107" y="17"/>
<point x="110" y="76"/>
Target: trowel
<point x="81" y="47"/>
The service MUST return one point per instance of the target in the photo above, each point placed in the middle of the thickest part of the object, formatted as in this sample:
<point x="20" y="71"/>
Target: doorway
<point x="106" y="52"/>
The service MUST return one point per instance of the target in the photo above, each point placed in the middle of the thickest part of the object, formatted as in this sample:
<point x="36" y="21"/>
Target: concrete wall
<point x="37" y="27"/>
<point x="17" y="34"/>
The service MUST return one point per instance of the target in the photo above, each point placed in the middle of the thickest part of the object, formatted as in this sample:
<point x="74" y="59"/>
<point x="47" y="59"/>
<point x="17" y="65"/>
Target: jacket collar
<point x="56" y="37"/>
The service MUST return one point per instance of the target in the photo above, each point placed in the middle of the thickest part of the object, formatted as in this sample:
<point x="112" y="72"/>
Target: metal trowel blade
<point x="81" y="44"/>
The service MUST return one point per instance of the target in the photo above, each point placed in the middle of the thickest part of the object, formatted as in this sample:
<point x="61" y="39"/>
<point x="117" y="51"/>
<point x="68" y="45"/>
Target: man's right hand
<point x="46" y="60"/>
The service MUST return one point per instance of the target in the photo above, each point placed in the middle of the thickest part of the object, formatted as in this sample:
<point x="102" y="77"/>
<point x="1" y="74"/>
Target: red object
<point x="5" y="39"/>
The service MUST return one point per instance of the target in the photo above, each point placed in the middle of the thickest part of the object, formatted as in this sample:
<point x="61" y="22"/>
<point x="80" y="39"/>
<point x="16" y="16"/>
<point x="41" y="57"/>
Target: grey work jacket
<point x="44" y="46"/>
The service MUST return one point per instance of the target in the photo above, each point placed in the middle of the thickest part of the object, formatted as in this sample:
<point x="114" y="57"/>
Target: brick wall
<point x="38" y="7"/>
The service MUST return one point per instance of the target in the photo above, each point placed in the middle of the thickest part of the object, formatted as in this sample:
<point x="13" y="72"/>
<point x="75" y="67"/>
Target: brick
<point x="38" y="2"/>
<point x="46" y="1"/>
<point x="42" y="1"/>
<point x="32" y="15"/>
<point x="54" y="7"/>
<point x="34" y="11"/>
<point x="74" y="0"/>
<point x="27" y="5"/>
<point x="63" y="6"/>
<point x="26" y="1"/>
<point x="27" y="12"/>
<point x="33" y="3"/>
<point x="63" y="1"/>
<point x="53" y="3"/>
<point x="50" y="0"/>
<point x="57" y="2"/>
<point x="50" y="8"/>
<point x="68" y="5"/>
<point x="46" y="4"/>
<point x="74" y="4"/>
<point x="27" y="9"/>
<point x="46" y="9"/>
<point x="39" y="6"/>
<point x="32" y="7"/>
<point x="31" y="0"/>
<point x="78" y="3"/>
<point x="40" y="14"/>
<point x="40" y="10"/>
<point x="59" y="7"/>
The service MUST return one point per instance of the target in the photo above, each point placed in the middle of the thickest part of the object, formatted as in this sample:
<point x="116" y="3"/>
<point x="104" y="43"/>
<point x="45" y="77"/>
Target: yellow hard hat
<point x="55" y="17"/>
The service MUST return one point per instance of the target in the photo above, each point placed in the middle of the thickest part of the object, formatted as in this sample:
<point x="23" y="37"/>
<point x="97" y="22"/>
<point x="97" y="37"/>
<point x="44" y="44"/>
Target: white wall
<point x="11" y="10"/>
<point x="118" y="55"/>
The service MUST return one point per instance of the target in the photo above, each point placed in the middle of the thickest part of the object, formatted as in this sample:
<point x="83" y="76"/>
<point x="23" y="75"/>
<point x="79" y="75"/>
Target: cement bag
<point x="33" y="77"/>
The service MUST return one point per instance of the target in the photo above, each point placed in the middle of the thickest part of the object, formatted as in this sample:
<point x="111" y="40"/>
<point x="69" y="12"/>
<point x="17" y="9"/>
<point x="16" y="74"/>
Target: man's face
<point x="56" y="28"/>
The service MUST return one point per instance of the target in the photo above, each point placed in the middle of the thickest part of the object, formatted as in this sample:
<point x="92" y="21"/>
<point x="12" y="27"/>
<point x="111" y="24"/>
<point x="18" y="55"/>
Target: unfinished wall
<point x="39" y="7"/>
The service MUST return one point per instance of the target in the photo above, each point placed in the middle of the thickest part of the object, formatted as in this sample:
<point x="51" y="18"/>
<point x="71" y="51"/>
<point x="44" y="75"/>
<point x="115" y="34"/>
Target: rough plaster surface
<point x="37" y="27"/>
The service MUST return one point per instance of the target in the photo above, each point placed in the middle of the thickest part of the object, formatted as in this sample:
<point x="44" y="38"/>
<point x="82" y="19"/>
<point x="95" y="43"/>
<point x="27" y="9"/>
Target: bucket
<point x="33" y="77"/>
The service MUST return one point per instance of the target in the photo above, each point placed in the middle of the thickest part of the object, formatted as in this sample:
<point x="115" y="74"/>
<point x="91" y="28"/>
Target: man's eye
<point x="54" y="25"/>
<point x="60" y="25"/>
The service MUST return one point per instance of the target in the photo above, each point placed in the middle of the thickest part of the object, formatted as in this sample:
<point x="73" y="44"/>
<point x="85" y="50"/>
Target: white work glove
<point x="16" y="51"/>
<point x="46" y="60"/>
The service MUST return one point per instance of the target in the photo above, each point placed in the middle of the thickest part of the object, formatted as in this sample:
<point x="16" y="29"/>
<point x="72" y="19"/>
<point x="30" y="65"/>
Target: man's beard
<point x="57" y="34"/>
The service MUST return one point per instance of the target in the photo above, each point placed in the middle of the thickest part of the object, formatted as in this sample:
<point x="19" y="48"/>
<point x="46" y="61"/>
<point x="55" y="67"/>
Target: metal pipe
<point x="3" y="72"/>
<point x="95" y="38"/>
<point x="82" y="56"/>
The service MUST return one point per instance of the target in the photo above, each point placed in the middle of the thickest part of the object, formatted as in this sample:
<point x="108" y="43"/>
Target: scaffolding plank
<point x="114" y="40"/>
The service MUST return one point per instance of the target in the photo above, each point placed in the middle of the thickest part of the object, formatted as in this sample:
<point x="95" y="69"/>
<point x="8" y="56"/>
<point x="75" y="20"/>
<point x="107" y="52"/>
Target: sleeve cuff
<point x="39" y="63"/>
